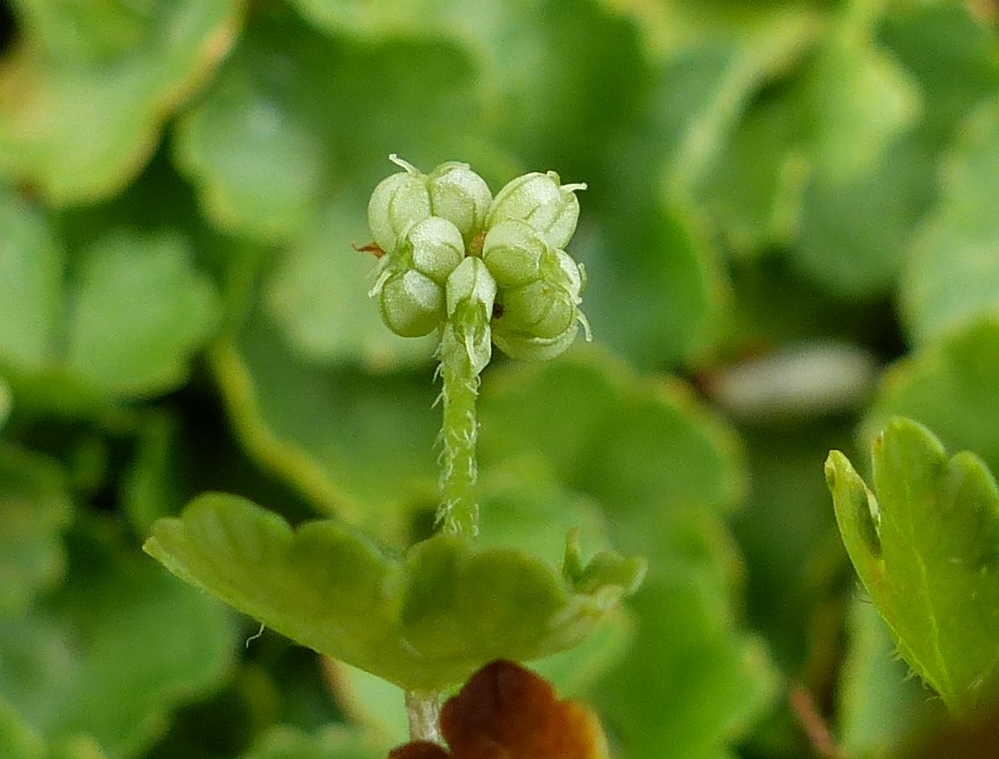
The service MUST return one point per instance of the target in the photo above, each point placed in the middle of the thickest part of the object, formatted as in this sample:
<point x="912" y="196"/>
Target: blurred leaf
<point x="878" y="706"/>
<point x="952" y="387"/>
<point x="859" y="100"/>
<point x="34" y="508"/>
<point x="692" y="683"/>
<point x="329" y="743"/>
<point x="925" y="547"/>
<point x="139" y="312"/>
<point x="125" y="321"/>
<point x="952" y="275"/>
<point x="638" y="446"/>
<point x="83" y="97"/>
<point x="855" y="234"/>
<point x="754" y="186"/>
<point x="31" y="274"/>
<point x="659" y="466"/>
<point x="352" y="443"/>
<point x="112" y="652"/>
<point x="295" y="115"/>
<point x="318" y="294"/>
<point x="17" y="739"/>
<point x="423" y="621"/>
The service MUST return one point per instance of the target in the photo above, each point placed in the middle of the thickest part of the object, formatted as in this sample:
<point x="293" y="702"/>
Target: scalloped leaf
<point x="423" y="621"/>
<point x="951" y="277"/>
<point x="113" y="651"/>
<point x="82" y="99"/>
<point x="34" y="508"/>
<point x="925" y="543"/>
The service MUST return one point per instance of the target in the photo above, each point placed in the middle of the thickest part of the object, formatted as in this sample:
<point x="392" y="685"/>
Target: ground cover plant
<point x="755" y="516"/>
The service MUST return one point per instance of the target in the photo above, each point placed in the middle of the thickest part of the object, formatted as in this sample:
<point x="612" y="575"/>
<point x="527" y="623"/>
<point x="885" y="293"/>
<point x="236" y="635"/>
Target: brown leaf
<point x="508" y="712"/>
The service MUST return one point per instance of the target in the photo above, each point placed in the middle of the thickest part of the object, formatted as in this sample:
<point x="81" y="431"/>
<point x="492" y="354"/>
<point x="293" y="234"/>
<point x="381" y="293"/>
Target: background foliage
<point x="790" y="234"/>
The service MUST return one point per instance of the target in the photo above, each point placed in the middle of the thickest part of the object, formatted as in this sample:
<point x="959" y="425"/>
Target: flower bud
<point x="412" y="304"/>
<point x="538" y="199"/>
<point x="513" y="250"/>
<point x="433" y="247"/>
<point x="523" y="347"/>
<point x="471" y="291"/>
<point x="539" y="309"/>
<point x="472" y="282"/>
<point x="397" y="202"/>
<point x="461" y="196"/>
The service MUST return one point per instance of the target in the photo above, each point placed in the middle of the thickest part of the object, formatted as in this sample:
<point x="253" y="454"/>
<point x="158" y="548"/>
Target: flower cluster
<point x="490" y="270"/>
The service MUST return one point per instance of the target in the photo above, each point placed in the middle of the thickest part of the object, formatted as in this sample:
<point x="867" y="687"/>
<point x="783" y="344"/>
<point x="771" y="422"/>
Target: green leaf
<point x="123" y="321"/>
<point x="17" y="739"/>
<point x="606" y="432"/>
<point x="952" y="387"/>
<point x="691" y="682"/>
<point x="878" y="707"/>
<point x="83" y="100"/>
<point x="925" y="543"/>
<point x="329" y="743"/>
<point x="662" y="469"/>
<point x="295" y="117"/>
<point x="423" y="621"/>
<point x="362" y="458"/>
<point x="140" y="312"/>
<point x="113" y="651"/>
<point x="34" y="508"/>
<point x="952" y="274"/>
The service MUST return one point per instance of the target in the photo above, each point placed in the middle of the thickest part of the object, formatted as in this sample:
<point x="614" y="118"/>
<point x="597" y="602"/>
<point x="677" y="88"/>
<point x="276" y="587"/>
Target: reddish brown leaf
<point x="418" y="750"/>
<point x="508" y="712"/>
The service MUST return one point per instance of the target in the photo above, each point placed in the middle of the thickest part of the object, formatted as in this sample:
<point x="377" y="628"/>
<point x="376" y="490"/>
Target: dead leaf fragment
<point x="507" y="712"/>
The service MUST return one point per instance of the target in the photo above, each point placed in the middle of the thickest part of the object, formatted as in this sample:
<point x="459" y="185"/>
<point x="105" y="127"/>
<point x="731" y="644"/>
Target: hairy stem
<point x="459" y="511"/>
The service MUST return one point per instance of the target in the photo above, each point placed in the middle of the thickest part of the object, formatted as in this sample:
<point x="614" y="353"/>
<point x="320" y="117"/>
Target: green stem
<point x="424" y="711"/>
<point x="459" y="511"/>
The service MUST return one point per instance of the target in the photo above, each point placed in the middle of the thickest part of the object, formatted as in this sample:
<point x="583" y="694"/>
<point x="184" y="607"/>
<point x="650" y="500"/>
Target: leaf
<point x="295" y="118"/>
<point x="878" y="707"/>
<point x="952" y="274"/>
<point x="113" y="651"/>
<point x="140" y="312"/>
<point x="83" y="98"/>
<point x="362" y="457"/>
<point x="423" y="621"/>
<point x="662" y="469"/>
<point x="606" y="432"/>
<point x="34" y="508"/>
<point x="123" y="320"/>
<point x="925" y="543"/>
<point x="506" y="710"/>
<point x="950" y="386"/>
<point x="330" y="743"/>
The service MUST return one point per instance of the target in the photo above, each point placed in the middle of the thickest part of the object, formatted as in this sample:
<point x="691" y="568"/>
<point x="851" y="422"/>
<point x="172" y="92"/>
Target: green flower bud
<point x="398" y="202"/>
<point x="433" y="247"/>
<point x="523" y="347"/>
<point x="538" y="199"/>
<point x="539" y="309"/>
<point x="513" y="250"/>
<point x="412" y="304"/>
<point x="471" y="282"/>
<point x="461" y="196"/>
<point x="471" y="292"/>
